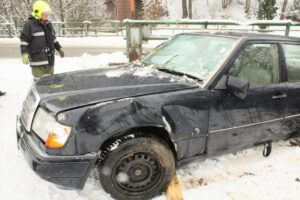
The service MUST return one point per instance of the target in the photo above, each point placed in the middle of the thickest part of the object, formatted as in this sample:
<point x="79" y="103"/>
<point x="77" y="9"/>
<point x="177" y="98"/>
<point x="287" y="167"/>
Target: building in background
<point x="125" y="9"/>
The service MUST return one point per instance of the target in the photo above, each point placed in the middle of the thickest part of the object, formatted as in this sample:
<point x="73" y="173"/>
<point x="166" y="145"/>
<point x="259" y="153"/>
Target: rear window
<point x="292" y="58"/>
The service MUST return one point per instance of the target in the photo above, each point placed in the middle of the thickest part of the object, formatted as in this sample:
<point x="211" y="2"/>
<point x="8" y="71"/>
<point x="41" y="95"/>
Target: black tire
<point x="139" y="168"/>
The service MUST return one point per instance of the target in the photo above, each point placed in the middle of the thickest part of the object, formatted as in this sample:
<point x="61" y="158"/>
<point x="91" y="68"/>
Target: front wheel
<point x="138" y="168"/>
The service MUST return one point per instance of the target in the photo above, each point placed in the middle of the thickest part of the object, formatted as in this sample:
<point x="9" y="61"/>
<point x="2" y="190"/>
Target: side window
<point x="292" y="59"/>
<point x="258" y="64"/>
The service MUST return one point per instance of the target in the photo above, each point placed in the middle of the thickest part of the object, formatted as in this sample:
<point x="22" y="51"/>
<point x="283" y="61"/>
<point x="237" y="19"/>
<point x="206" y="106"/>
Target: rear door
<point x="240" y="123"/>
<point x="292" y="63"/>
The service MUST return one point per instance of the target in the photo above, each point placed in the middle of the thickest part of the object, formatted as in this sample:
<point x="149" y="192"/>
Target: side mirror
<point x="237" y="87"/>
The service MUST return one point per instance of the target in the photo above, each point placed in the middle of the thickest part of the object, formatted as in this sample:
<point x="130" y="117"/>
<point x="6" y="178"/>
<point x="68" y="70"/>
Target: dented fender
<point x="108" y="119"/>
<point x="167" y="110"/>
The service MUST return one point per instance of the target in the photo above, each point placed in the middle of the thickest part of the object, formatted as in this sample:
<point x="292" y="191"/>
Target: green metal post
<point x="9" y="31"/>
<point x="86" y="29"/>
<point x="59" y="29"/>
<point x="117" y="28"/>
<point x="288" y="28"/>
<point x="82" y="29"/>
<point x="127" y="39"/>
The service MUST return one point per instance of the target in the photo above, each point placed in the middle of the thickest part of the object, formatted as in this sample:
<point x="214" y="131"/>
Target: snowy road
<point x="244" y="176"/>
<point x="13" y="51"/>
<point x="9" y="47"/>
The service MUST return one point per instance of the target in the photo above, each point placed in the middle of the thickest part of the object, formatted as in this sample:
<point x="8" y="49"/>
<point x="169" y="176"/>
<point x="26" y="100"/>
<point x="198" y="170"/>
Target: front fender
<point x="101" y="122"/>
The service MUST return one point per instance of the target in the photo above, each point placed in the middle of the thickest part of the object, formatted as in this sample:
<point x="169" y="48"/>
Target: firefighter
<point x="38" y="41"/>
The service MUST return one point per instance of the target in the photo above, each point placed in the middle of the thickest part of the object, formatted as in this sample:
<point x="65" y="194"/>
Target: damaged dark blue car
<point x="198" y="94"/>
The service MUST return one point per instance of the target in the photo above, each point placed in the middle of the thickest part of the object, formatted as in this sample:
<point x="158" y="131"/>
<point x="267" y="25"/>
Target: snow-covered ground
<point x="246" y="175"/>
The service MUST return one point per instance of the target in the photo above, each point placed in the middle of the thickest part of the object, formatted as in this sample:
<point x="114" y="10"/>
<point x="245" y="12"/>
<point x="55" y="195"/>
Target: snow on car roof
<point x="250" y="35"/>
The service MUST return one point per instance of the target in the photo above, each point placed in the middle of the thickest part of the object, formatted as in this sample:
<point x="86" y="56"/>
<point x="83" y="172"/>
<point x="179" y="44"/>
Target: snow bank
<point x="87" y="61"/>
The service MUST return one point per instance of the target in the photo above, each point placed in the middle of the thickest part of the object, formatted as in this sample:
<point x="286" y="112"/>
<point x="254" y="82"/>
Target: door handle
<point x="279" y="96"/>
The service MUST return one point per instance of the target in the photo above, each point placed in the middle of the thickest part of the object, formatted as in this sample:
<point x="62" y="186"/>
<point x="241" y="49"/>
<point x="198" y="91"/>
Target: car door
<point x="291" y="123"/>
<point x="237" y="123"/>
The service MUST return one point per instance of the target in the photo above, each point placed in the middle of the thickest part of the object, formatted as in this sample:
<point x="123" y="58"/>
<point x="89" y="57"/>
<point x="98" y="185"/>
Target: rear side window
<point x="292" y="59"/>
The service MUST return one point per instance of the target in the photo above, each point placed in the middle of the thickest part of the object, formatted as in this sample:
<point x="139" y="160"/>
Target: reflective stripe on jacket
<point x="39" y="41"/>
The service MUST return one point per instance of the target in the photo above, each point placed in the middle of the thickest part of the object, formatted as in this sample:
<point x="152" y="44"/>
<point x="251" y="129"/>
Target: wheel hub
<point x="142" y="171"/>
<point x="138" y="172"/>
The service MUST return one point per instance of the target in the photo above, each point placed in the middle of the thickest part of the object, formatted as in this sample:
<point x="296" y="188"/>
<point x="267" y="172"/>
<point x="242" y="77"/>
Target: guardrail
<point x="88" y="28"/>
<point x="139" y="30"/>
<point x="169" y="27"/>
<point x="136" y="31"/>
<point x="72" y="29"/>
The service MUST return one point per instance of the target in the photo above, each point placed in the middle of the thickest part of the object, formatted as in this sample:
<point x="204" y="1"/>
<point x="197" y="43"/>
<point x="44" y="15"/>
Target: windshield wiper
<point x="167" y="62"/>
<point x="178" y="73"/>
<point x="170" y="59"/>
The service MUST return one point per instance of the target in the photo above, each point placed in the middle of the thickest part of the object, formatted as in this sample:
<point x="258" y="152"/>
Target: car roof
<point x="250" y="36"/>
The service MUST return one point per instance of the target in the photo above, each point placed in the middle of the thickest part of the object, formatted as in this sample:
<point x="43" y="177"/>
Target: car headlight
<point x="49" y="130"/>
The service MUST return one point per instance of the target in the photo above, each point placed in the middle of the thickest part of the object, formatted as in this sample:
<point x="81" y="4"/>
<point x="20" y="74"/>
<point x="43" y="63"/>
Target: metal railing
<point x="72" y="29"/>
<point x="156" y="30"/>
<point x="168" y="27"/>
<point x="88" y="28"/>
<point x="138" y="30"/>
<point x="213" y="25"/>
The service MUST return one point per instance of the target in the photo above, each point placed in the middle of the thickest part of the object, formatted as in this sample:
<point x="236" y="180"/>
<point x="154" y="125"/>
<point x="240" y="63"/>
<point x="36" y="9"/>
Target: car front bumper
<point x="67" y="171"/>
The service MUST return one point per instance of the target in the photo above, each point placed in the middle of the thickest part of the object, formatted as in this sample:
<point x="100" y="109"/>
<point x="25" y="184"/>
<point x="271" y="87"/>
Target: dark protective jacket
<point x="39" y="41"/>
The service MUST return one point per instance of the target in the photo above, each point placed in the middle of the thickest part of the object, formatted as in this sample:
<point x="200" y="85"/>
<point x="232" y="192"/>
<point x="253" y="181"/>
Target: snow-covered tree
<point x="282" y="14"/>
<point x="296" y="5"/>
<point x="247" y="6"/>
<point x="184" y="9"/>
<point x="294" y="11"/>
<point x="17" y="11"/>
<point x="13" y="11"/>
<point x="267" y="9"/>
<point x="71" y="10"/>
<point x="154" y="9"/>
<point x="187" y="7"/>
<point x="225" y="3"/>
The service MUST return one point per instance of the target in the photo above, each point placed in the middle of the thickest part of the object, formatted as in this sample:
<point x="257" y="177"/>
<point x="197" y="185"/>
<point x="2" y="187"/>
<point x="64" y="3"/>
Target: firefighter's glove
<point x="61" y="53"/>
<point x="25" y="58"/>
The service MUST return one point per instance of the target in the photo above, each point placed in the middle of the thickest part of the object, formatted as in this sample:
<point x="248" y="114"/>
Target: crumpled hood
<point x="87" y="87"/>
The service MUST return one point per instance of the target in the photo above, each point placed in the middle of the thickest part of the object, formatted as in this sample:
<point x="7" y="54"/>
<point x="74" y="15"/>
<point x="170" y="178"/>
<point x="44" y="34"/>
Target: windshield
<point x="194" y="55"/>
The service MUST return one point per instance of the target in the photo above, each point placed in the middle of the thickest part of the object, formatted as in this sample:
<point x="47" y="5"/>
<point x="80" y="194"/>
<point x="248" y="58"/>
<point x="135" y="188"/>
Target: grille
<point x="29" y="107"/>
